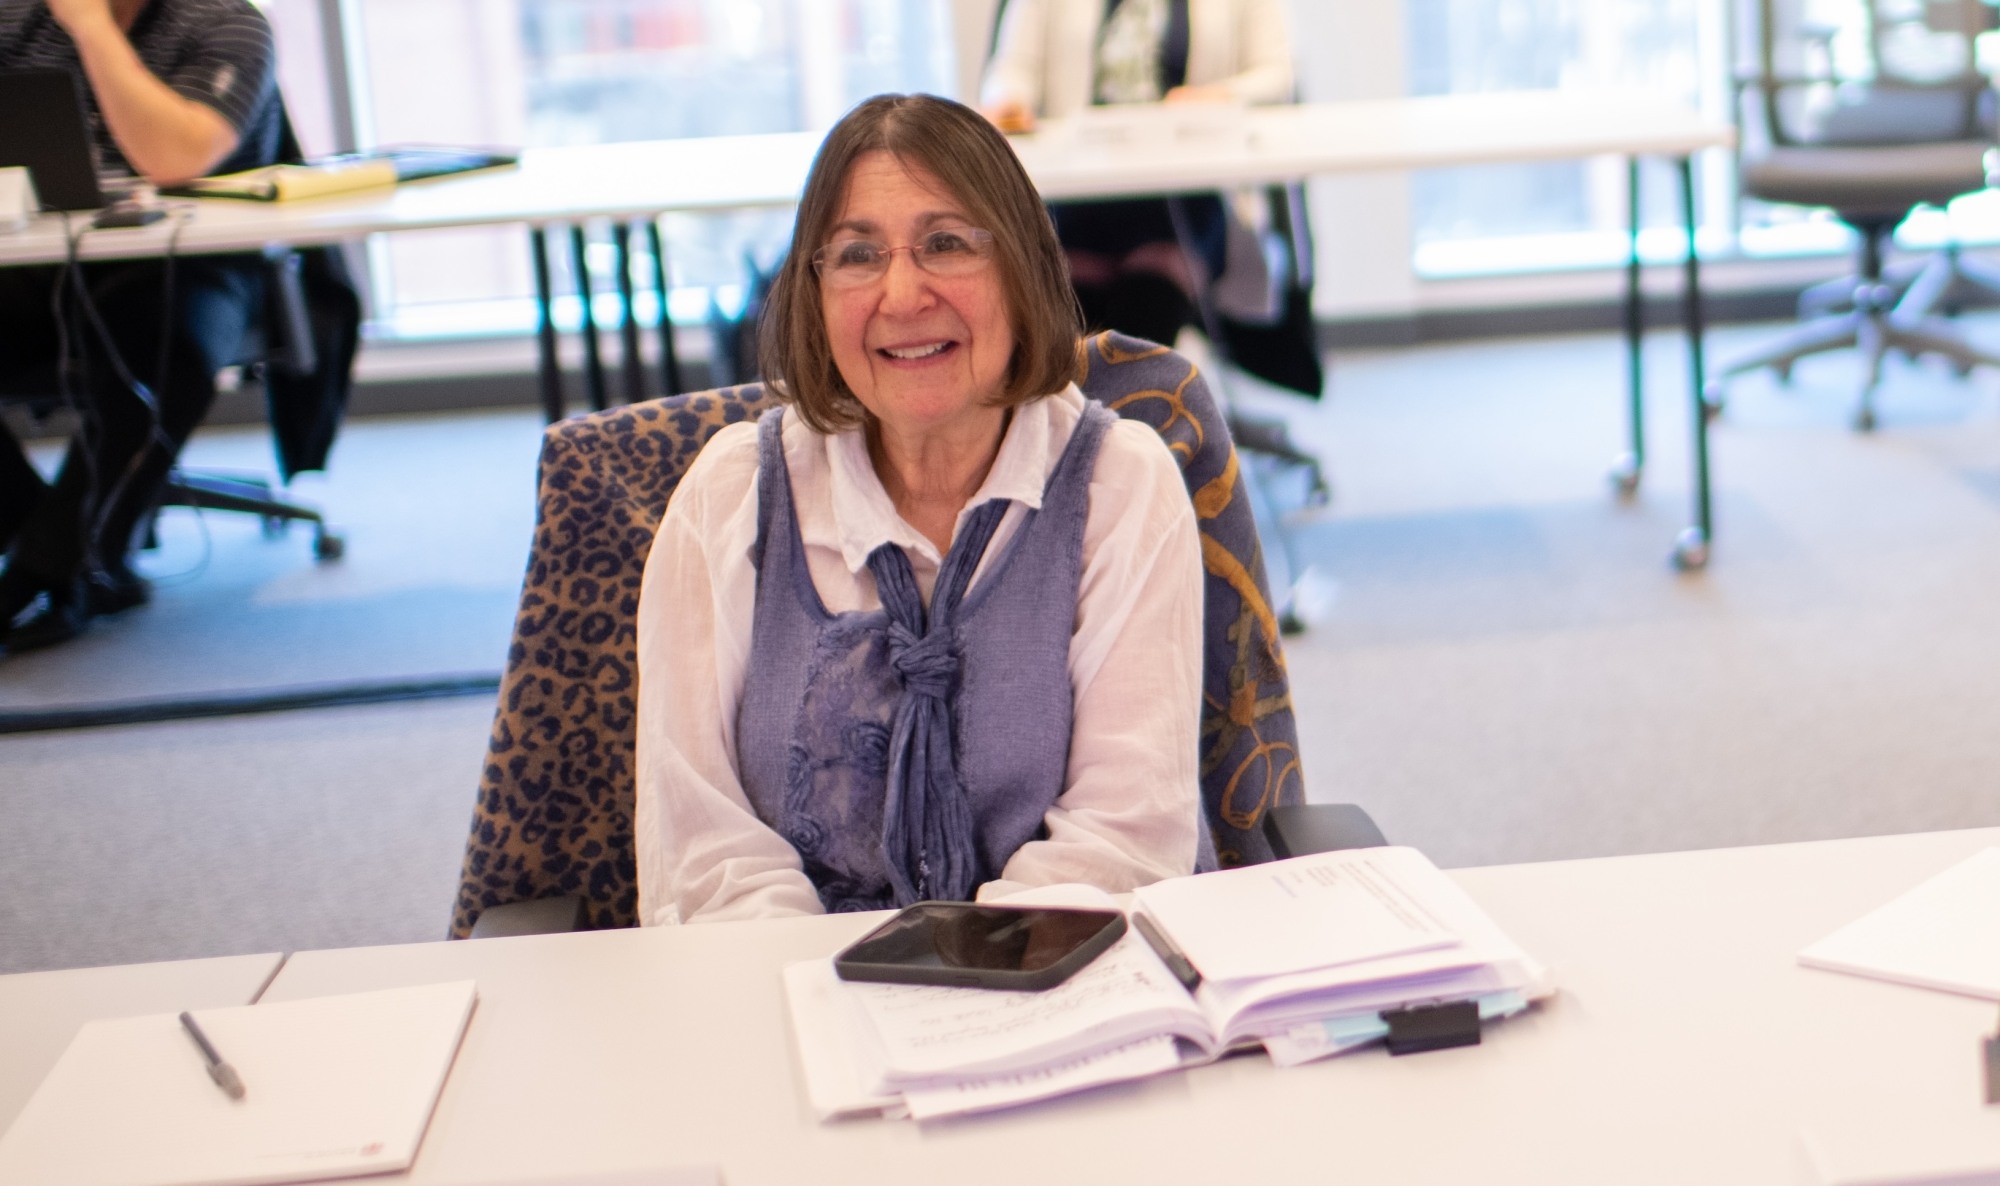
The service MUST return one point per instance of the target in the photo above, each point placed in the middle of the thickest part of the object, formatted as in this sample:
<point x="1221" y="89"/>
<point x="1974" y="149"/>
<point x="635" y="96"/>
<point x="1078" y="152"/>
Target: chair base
<point x="251" y="496"/>
<point x="1878" y="319"/>
<point x="1875" y="333"/>
<point x="1946" y="282"/>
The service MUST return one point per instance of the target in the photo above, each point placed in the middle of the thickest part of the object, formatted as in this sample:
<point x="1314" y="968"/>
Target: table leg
<point x="1627" y="468"/>
<point x="1691" y="550"/>
<point x="593" y="357"/>
<point x="549" y="366"/>
<point x="670" y="366"/>
<point x="632" y="369"/>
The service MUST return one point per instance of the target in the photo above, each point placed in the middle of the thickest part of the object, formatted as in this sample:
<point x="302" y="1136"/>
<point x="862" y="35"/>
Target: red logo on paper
<point x="371" y="1148"/>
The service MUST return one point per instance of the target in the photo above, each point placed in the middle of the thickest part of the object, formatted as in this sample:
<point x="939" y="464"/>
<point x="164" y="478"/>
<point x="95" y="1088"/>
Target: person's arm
<point x="703" y="854"/>
<point x="1264" y="61"/>
<point x="1130" y="812"/>
<point x="1011" y="95"/>
<point x="165" y="136"/>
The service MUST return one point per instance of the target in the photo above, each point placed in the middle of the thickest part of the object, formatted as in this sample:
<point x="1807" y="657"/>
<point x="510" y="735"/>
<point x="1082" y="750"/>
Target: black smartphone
<point x="966" y="944"/>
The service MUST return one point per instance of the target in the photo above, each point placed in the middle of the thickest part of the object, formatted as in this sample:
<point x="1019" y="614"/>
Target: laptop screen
<point x="45" y="130"/>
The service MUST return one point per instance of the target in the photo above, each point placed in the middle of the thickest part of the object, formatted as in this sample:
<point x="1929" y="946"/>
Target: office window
<point x="1520" y="218"/>
<point x="1509" y="218"/>
<point x="535" y="73"/>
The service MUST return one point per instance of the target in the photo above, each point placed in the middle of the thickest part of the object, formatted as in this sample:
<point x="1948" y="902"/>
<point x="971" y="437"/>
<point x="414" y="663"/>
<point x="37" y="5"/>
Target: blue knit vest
<point x="907" y="753"/>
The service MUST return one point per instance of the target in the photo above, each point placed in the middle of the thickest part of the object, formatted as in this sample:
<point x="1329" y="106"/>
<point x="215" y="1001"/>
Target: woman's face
<point x="923" y="353"/>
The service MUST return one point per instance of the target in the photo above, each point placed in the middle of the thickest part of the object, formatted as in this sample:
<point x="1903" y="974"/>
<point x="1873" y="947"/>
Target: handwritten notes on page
<point x="1309" y="912"/>
<point x="930" y="1031"/>
<point x="1149" y="1056"/>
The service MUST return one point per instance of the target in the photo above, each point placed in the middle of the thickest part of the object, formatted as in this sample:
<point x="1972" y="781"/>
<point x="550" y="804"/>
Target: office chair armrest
<point x="537" y="916"/>
<point x="1319" y="827"/>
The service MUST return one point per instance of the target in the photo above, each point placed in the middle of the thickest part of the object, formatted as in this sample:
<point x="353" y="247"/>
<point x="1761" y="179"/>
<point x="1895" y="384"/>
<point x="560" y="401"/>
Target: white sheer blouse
<point x="1129" y="813"/>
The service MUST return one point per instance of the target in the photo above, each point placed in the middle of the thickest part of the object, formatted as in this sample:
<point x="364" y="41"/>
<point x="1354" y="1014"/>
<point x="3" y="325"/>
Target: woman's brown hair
<point x="956" y="145"/>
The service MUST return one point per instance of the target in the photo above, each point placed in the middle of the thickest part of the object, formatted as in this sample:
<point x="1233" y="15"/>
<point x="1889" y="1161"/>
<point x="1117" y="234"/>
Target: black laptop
<point x="45" y="129"/>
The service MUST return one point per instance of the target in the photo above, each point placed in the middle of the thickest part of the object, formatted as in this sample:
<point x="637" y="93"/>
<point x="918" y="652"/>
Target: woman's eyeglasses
<point x="851" y="263"/>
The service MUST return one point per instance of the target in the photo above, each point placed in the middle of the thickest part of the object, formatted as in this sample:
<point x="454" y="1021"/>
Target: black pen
<point x="225" y="1076"/>
<point x="1178" y="964"/>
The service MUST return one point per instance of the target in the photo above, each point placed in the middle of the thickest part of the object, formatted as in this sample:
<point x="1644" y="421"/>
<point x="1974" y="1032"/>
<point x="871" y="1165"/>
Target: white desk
<point x="626" y="182"/>
<point x="634" y="183"/>
<point x="41" y="1011"/>
<point x="1686" y="1047"/>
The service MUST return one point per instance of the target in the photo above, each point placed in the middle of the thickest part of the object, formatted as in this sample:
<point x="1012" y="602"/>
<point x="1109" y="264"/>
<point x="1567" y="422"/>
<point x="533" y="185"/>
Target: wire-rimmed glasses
<point x="947" y="251"/>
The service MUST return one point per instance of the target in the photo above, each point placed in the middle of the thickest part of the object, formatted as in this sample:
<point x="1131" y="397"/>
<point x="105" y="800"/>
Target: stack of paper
<point x="1298" y="956"/>
<point x="334" y="1087"/>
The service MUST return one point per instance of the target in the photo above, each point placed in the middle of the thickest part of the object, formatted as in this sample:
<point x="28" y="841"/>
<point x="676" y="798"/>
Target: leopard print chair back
<point x="554" y="816"/>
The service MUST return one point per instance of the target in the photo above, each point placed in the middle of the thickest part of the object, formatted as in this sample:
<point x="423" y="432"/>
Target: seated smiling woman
<point x="932" y="629"/>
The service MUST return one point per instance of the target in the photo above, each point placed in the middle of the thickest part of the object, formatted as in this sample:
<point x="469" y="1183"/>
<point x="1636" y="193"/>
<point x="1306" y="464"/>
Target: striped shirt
<point x="217" y="52"/>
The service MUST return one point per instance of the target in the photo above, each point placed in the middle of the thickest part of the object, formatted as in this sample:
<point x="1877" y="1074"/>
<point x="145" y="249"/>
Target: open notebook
<point x="1301" y="957"/>
<point x="335" y="1087"/>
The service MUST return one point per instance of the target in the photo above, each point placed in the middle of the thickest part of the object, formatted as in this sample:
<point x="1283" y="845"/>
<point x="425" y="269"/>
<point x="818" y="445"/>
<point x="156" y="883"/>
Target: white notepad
<point x="1944" y="934"/>
<point x="336" y="1086"/>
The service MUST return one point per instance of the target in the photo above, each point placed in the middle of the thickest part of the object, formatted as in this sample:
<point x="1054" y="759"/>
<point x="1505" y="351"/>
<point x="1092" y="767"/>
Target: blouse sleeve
<point x="702" y="852"/>
<point x="1265" y="44"/>
<point x="1016" y="70"/>
<point x="1130" y="813"/>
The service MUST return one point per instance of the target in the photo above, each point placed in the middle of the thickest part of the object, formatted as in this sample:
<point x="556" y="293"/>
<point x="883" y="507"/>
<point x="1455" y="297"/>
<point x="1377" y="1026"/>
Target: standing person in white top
<point x="1135" y="271"/>
<point x="946" y="611"/>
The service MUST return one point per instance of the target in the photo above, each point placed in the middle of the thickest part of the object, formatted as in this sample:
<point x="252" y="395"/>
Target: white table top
<point x="641" y="180"/>
<point x="1686" y="1046"/>
<point x="41" y="1011"/>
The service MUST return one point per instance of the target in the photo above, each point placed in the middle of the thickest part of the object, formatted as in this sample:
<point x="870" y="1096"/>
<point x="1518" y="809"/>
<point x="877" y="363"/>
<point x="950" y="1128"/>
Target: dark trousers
<point x="172" y="327"/>
<point x="1142" y="304"/>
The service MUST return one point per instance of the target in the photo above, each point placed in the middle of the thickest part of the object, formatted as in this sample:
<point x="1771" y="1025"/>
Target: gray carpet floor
<point x="1501" y="667"/>
<point x="435" y="512"/>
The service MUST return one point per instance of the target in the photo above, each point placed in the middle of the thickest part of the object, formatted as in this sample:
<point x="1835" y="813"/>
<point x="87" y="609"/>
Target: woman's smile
<point x="923" y="352"/>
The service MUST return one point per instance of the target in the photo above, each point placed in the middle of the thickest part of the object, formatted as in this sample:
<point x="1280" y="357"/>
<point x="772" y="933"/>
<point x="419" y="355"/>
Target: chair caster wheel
<point x="274" y="526"/>
<point x="1783" y="373"/>
<point x="1290" y="625"/>
<point x="1864" y="419"/>
<point x="1624" y="475"/>
<point x="328" y="546"/>
<point x="1960" y="370"/>
<point x="1713" y="401"/>
<point x="1691" y="550"/>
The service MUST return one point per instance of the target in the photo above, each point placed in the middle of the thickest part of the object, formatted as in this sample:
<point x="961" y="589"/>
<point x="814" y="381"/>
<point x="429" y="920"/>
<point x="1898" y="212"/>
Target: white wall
<point x="1353" y="49"/>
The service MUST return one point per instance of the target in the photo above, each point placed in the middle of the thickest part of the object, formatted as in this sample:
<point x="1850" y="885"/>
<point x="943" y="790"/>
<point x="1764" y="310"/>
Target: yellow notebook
<point x="286" y="183"/>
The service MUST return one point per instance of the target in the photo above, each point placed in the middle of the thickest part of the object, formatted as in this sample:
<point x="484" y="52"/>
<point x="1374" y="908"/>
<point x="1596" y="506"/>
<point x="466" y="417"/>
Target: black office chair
<point x="1873" y="149"/>
<point x="303" y="320"/>
<point x="301" y="348"/>
<point x="311" y="317"/>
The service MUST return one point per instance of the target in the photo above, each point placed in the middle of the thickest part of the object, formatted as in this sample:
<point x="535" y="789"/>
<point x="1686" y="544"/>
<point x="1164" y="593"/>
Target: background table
<point x="1686" y="1046"/>
<point x="631" y="185"/>
<point x="41" y="1011"/>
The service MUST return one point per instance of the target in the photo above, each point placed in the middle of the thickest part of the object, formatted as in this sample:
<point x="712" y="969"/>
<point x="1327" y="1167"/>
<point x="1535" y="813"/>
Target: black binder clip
<point x="1433" y="1027"/>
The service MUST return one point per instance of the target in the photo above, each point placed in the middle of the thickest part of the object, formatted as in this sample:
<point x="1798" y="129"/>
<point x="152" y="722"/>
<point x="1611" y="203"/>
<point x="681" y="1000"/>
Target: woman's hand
<point x="1010" y="116"/>
<point x="1200" y="94"/>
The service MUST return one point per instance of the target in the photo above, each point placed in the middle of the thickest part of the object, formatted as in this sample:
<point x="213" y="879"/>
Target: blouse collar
<point x="865" y="517"/>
